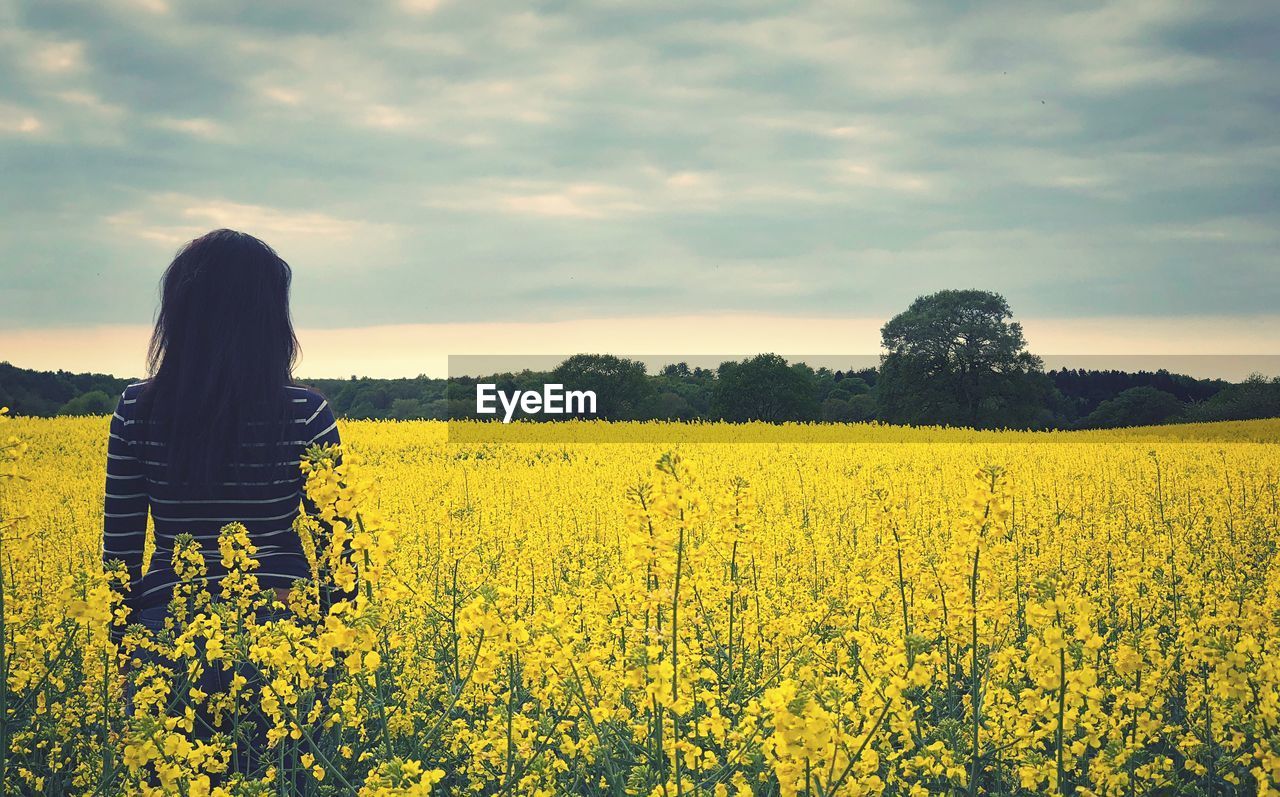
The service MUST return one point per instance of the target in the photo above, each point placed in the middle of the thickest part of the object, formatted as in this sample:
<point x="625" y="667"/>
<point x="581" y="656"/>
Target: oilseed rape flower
<point x="777" y="613"/>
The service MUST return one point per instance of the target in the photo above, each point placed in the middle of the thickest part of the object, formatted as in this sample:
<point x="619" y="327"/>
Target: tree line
<point x="953" y="358"/>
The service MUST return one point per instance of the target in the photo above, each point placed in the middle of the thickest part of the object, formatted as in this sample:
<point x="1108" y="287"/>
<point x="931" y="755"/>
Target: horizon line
<point x="408" y="350"/>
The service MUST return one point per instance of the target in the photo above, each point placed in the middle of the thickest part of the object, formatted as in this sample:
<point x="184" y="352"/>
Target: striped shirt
<point x="267" y="505"/>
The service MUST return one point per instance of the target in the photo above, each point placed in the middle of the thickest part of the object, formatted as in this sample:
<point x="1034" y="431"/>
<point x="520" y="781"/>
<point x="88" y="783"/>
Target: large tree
<point x="957" y="358"/>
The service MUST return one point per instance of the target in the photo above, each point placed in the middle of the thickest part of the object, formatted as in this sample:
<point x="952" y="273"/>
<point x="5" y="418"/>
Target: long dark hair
<point x="222" y="352"/>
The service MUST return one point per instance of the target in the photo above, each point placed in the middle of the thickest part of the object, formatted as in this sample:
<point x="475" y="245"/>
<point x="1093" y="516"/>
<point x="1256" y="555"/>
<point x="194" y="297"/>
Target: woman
<point x="216" y="434"/>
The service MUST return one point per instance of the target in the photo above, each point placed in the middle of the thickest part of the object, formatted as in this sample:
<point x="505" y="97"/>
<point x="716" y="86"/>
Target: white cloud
<point x="157" y="7"/>
<point x="60" y="57"/>
<point x="421" y="6"/>
<point x="572" y="200"/>
<point x="19" y="121"/>
<point x="202" y="128"/>
<point x="321" y="239"/>
<point x="866" y="174"/>
<point x="90" y="102"/>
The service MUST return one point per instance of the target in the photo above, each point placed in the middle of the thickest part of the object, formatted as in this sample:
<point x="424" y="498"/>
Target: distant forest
<point x="953" y="358"/>
<point x="1082" y="399"/>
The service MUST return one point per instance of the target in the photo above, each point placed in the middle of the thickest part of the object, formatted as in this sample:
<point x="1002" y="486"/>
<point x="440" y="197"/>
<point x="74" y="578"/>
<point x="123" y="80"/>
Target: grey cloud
<point x="522" y="161"/>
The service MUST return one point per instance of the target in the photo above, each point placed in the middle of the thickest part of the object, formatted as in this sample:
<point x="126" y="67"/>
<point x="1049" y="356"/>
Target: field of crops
<point x="953" y="614"/>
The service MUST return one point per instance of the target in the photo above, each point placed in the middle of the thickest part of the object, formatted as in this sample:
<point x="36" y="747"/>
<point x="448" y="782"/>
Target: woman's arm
<point x="322" y="427"/>
<point x="124" y="509"/>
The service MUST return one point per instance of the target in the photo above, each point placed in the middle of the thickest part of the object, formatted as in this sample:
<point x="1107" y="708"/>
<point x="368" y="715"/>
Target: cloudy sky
<point x="449" y="176"/>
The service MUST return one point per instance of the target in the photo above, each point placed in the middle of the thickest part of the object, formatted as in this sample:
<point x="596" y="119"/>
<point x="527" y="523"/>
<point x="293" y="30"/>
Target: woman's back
<point x="262" y="490"/>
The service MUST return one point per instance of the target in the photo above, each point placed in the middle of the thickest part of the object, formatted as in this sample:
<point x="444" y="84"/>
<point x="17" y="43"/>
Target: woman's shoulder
<point x="312" y="409"/>
<point x="304" y="397"/>
<point x="132" y="391"/>
<point x="129" y="398"/>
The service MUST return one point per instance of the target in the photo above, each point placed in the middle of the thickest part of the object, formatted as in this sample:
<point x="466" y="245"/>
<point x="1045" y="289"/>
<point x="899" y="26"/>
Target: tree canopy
<point x="764" y="388"/>
<point x="1137" y="406"/>
<point x="956" y="358"/>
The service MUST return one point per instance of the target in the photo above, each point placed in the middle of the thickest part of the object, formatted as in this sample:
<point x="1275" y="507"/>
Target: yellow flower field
<point x="945" y="613"/>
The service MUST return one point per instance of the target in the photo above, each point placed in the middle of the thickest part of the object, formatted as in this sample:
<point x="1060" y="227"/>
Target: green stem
<point x="976" y="759"/>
